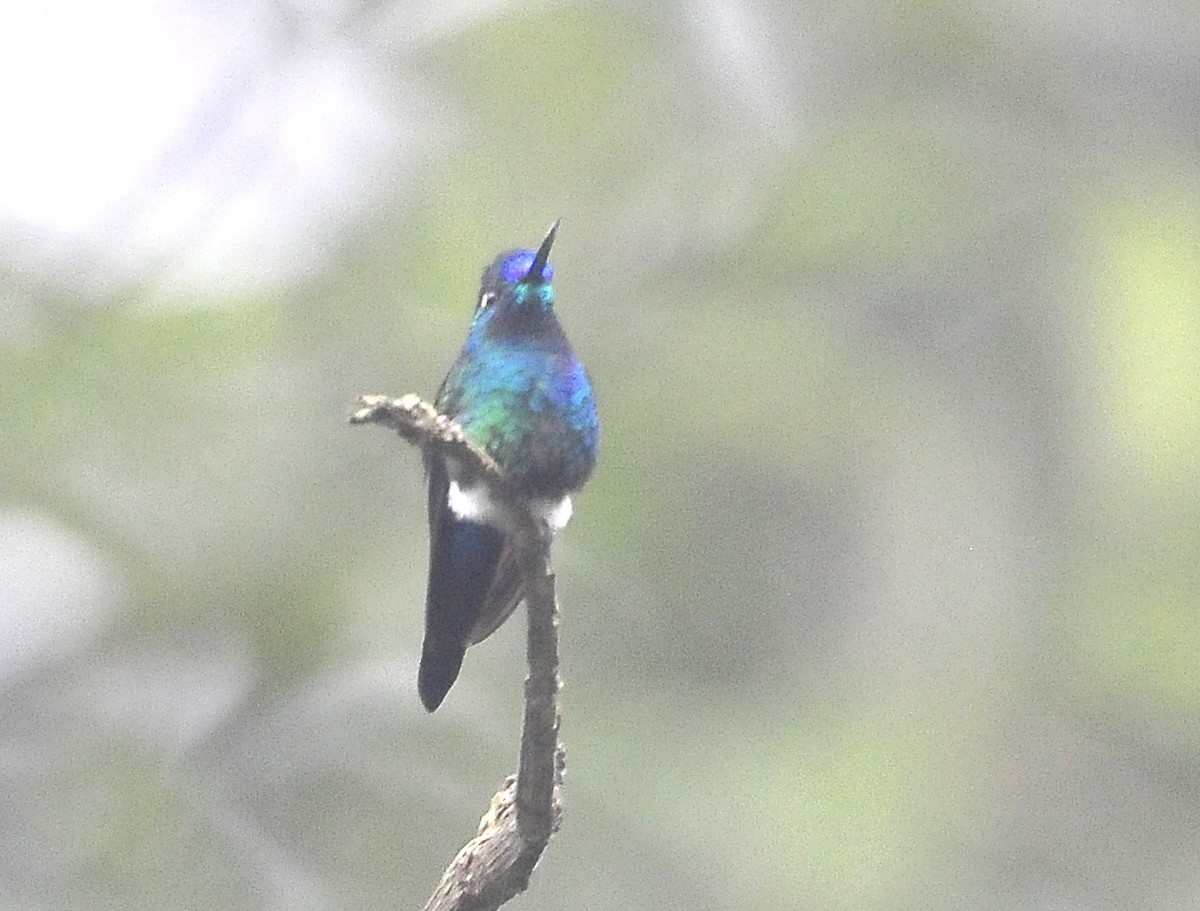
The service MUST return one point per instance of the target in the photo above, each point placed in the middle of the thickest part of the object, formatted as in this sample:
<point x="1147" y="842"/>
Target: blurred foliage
<point x="884" y="594"/>
<point x="1149" y="291"/>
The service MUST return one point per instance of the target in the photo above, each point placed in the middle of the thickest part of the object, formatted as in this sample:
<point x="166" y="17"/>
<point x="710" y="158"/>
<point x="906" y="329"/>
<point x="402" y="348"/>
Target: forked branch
<point x="496" y="864"/>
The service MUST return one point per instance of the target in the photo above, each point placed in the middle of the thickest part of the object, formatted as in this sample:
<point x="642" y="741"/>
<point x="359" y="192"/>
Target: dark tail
<point x="462" y="563"/>
<point x="440" y="663"/>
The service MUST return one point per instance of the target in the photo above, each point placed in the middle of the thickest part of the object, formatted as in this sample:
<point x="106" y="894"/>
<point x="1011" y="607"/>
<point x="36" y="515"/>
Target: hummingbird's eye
<point x="485" y="300"/>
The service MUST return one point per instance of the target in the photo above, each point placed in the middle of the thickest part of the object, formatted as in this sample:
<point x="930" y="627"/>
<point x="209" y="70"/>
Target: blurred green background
<point x="884" y="595"/>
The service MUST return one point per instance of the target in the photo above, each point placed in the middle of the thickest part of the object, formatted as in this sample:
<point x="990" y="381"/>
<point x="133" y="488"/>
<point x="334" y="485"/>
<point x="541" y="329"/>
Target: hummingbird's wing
<point x="503" y="597"/>
<point x="463" y="561"/>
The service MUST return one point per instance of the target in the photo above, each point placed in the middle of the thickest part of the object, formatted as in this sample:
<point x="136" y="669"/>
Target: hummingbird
<point x="519" y="392"/>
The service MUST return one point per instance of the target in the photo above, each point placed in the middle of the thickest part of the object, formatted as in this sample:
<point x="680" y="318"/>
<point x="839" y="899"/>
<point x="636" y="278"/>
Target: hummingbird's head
<point x="519" y="279"/>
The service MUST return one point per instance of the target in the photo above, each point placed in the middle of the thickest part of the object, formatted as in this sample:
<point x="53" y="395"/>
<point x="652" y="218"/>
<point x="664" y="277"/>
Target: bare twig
<point x="496" y="864"/>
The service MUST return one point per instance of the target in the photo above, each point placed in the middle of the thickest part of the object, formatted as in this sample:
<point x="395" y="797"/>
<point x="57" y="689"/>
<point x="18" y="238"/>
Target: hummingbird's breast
<point x="534" y="413"/>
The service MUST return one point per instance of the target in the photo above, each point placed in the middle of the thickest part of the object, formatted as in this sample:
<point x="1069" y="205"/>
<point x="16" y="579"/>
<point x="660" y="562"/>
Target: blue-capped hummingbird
<point x="518" y="391"/>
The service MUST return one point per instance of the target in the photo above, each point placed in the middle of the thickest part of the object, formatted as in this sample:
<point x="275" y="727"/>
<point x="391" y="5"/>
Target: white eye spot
<point x="485" y="299"/>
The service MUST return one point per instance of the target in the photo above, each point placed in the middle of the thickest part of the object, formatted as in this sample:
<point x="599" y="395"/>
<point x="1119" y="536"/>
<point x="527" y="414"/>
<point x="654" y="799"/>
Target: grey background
<point x="884" y="593"/>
